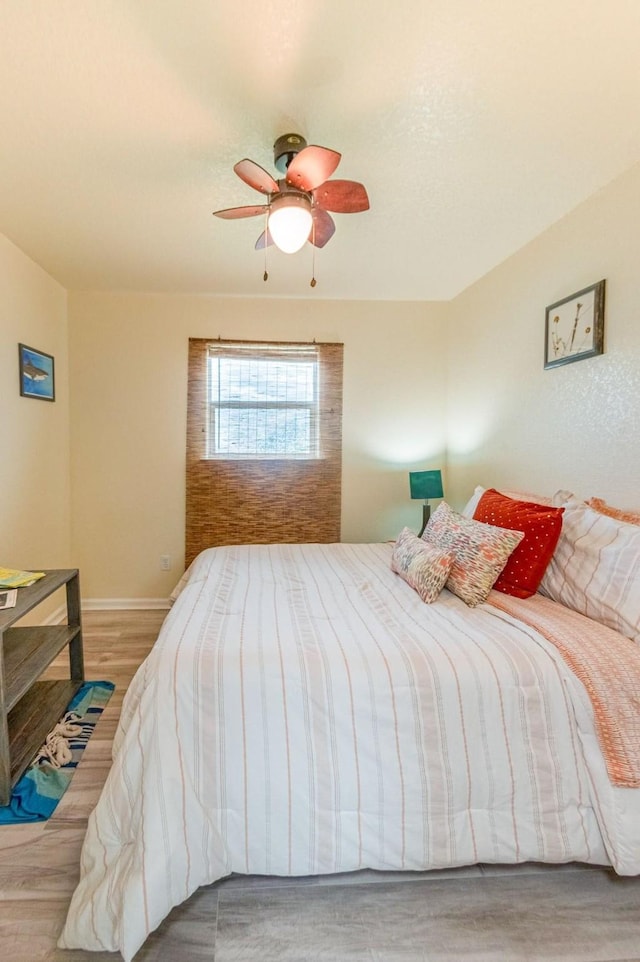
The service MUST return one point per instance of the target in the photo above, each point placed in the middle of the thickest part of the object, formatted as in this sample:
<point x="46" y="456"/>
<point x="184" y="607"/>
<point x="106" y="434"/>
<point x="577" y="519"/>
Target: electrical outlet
<point x="165" y="562"/>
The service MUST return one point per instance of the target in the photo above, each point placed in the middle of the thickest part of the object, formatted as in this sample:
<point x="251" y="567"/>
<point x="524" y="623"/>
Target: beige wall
<point x="128" y="363"/>
<point x="508" y="421"/>
<point x="34" y="451"/>
<point x="577" y="426"/>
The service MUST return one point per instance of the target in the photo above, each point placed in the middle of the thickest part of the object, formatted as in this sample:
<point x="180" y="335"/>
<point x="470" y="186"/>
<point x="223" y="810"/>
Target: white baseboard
<point x="59" y="616"/>
<point x="124" y="604"/>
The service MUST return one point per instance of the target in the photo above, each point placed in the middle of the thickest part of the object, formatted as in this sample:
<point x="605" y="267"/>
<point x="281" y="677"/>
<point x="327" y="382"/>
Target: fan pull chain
<point x="313" y="254"/>
<point x="265" y="276"/>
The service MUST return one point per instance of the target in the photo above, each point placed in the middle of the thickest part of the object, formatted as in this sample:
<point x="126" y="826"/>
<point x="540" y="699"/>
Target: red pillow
<point x="541" y="525"/>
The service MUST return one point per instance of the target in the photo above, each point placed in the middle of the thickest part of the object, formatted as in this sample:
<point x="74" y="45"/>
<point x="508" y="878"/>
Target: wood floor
<point x="482" y="913"/>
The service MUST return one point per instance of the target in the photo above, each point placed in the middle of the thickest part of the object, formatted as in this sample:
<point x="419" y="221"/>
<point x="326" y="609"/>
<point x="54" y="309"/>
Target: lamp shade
<point x="425" y="484"/>
<point x="290" y="221"/>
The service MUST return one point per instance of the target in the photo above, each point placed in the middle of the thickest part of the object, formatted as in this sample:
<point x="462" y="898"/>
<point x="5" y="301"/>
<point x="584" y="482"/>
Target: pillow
<point x="481" y="551"/>
<point x="561" y="497"/>
<point x="526" y="496"/>
<point x="541" y="525"/>
<point x="472" y="503"/>
<point x="423" y="566"/>
<point x="596" y="568"/>
<point x="630" y="517"/>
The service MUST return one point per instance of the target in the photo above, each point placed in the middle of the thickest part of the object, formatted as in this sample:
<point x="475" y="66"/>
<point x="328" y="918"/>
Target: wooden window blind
<point x="264" y="443"/>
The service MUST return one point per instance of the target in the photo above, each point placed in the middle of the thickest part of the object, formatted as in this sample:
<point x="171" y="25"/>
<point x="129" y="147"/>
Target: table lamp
<point x="425" y="485"/>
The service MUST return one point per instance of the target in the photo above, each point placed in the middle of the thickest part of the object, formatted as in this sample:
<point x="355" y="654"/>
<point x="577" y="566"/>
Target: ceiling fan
<point x="298" y="204"/>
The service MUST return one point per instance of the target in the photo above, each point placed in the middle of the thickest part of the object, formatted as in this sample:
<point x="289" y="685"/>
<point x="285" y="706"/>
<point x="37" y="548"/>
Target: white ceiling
<point x="474" y="125"/>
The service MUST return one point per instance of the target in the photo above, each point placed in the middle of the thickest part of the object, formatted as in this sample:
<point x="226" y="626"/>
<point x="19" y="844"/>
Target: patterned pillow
<point x="524" y="569"/>
<point x="631" y="517"/>
<point x="422" y="566"/>
<point x="596" y="568"/>
<point x="481" y="551"/>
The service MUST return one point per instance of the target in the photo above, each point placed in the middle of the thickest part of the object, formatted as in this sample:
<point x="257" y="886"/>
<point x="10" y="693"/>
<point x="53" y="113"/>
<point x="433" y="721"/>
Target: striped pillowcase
<point x="481" y="551"/>
<point x="596" y="568"/>
<point x="423" y="566"/>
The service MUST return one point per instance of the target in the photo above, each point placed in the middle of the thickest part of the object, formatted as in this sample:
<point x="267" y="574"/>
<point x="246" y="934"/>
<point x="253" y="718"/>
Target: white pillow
<point x="595" y="568"/>
<point x="472" y="503"/>
<point x="558" y="499"/>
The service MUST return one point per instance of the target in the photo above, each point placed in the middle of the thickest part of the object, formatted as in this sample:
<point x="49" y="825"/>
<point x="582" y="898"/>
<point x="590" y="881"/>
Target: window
<point x="264" y="443"/>
<point x="262" y="401"/>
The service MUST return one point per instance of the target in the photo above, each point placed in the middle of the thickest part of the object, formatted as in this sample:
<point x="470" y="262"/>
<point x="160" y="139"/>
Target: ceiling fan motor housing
<point x="285" y="149"/>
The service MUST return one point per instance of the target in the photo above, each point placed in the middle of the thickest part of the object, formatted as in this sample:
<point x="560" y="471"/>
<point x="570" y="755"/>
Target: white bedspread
<point x="304" y="712"/>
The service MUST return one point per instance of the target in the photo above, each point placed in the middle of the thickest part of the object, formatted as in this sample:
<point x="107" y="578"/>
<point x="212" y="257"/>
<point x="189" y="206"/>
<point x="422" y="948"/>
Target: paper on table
<point x="8" y="598"/>
<point x="13" y="578"/>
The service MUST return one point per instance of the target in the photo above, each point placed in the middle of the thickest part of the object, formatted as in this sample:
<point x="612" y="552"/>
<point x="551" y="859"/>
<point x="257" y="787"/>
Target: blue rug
<point x="36" y="794"/>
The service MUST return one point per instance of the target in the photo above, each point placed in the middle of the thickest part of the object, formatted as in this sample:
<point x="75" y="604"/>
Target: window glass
<point x="262" y="406"/>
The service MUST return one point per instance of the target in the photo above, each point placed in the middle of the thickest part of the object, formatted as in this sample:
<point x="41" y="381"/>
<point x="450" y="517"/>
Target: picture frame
<point x="574" y="327"/>
<point x="37" y="373"/>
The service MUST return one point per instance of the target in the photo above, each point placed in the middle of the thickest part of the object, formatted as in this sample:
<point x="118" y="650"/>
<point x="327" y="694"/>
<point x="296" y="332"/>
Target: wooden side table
<point x="30" y="708"/>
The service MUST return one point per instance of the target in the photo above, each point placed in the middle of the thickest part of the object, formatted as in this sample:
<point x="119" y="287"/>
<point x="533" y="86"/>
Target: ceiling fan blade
<point x="342" y="196"/>
<point x="233" y="213"/>
<point x="323" y="227"/>
<point x="256" y="176"/>
<point x="265" y="240"/>
<point x="311" y="167"/>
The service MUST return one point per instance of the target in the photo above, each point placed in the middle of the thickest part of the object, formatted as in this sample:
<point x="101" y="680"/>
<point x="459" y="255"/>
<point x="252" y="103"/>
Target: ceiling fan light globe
<point x="290" y="225"/>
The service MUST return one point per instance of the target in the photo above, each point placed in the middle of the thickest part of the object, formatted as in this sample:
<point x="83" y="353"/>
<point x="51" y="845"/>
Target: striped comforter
<point x="304" y="712"/>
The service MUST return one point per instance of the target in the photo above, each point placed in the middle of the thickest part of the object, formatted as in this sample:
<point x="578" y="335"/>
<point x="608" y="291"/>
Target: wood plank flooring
<point x="477" y="914"/>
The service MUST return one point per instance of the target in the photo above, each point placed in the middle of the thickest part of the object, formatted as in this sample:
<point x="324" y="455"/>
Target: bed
<point x="304" y="711"/>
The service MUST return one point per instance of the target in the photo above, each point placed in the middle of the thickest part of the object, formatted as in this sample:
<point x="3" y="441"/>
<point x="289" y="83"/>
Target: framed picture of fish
<point x="37" y="378"/>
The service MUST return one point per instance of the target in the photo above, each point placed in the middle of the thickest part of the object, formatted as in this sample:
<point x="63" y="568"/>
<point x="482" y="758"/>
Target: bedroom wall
<point x="128" y="362"/>
<point x="34" y="459"/>
<point x="512" y="423"/>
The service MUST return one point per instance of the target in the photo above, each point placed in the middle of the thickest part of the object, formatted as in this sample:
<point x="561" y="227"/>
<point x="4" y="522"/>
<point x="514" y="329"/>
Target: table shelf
<point x="29" y="707"/>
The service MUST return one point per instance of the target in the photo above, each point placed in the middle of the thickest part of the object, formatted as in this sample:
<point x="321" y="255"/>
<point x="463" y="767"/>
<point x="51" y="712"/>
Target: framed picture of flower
<point x="574" y="327"/>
